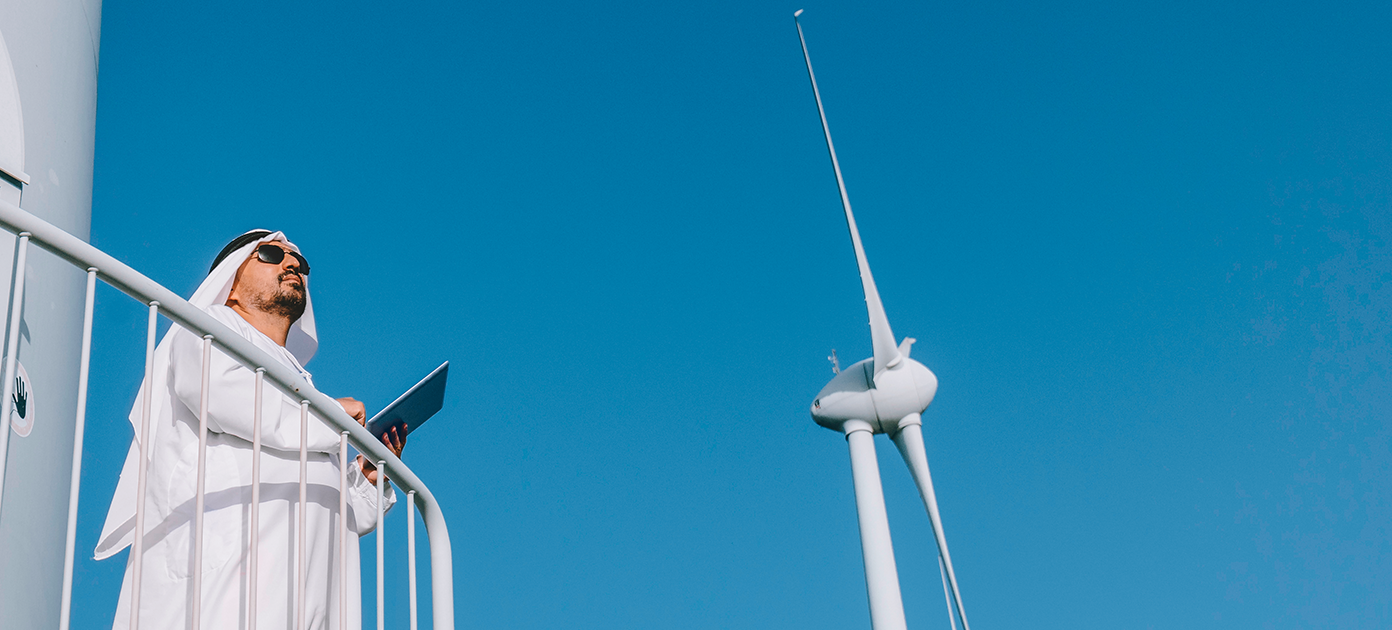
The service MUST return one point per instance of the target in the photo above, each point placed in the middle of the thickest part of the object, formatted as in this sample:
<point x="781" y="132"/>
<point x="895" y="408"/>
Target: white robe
<point x="169" y="505"/>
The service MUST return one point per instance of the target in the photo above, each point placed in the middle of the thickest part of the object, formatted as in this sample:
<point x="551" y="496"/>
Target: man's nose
<point x="289" y="263"/>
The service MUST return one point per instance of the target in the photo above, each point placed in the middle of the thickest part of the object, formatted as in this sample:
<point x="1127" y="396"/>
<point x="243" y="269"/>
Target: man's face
<point x="278" y="289"/>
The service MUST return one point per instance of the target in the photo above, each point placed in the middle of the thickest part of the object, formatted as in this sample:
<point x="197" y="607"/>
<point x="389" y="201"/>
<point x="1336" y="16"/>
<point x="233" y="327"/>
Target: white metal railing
<point x="161" y="301"/>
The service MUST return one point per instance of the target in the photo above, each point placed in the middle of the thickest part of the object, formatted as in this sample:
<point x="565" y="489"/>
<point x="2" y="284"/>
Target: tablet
<point x="415" y="406"/>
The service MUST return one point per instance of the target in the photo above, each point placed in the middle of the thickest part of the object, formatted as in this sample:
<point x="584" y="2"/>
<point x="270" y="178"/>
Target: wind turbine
<point x="883" y="394"/>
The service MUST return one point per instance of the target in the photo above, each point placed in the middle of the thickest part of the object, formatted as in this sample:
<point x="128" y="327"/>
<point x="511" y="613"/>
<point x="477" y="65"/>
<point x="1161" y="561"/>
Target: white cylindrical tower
<point x="48" y="106"/>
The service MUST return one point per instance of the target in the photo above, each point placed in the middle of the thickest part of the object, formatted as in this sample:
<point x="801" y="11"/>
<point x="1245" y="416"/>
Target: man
<point x="258" y="287"/>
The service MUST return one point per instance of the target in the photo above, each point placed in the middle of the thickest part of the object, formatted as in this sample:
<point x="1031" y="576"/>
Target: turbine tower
<point x="883" y="394"/>
<point x="48" y="115"/>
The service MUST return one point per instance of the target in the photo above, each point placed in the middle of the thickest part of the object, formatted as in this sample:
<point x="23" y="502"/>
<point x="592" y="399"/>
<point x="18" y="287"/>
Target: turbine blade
<point x="909" y="439"/>
<point x="951" y="622"/>
<point x="881" y="576"/>
<point x="887" y="354"/>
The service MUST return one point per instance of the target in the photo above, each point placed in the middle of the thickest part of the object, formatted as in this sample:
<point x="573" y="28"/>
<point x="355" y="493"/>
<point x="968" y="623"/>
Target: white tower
<point x="48" y="105"/>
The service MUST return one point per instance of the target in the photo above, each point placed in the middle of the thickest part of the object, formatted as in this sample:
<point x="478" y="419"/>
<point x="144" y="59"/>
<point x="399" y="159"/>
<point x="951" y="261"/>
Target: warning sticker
<point x="22" y="401"/>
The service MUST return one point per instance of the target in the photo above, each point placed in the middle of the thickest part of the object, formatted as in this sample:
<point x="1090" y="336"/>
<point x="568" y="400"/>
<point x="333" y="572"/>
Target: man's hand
<point x="394" y="441"/>
<point x="355" y="409"/>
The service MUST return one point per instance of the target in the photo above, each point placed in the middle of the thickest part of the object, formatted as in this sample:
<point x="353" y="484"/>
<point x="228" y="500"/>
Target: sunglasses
<point x="274" y="255"/>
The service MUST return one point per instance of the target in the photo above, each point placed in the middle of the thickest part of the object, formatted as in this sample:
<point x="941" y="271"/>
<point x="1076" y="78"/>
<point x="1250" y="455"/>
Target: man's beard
<point x="285" y="302"/>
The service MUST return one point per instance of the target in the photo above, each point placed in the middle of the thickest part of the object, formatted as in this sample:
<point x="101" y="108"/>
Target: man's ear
<point x="233" y="297"/>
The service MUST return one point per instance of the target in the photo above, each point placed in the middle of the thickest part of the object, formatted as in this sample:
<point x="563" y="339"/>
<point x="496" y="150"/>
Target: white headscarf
<point x="302" y="342"/>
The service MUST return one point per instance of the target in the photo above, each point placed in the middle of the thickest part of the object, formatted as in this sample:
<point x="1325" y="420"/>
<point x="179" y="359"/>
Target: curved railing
<point x="162" y="301"/>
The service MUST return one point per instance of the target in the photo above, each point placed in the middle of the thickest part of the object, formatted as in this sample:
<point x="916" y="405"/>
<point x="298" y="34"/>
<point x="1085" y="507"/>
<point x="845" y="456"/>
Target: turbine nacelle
<point x="856" y="394"/>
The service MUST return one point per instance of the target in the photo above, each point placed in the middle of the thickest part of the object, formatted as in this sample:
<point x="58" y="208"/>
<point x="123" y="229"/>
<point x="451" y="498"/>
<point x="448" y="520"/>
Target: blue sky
<point x="1145" y="248"/>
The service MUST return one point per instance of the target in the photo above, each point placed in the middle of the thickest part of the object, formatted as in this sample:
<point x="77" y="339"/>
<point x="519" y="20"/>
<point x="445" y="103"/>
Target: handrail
<point x="137" y="285"/>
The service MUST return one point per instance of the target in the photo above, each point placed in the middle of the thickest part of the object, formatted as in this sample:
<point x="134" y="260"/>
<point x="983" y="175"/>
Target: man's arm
<point x="362" y="500"/>
<point x="396" y="441"/>
<point x="362" y="475"/>
<point x="231" y="392"/>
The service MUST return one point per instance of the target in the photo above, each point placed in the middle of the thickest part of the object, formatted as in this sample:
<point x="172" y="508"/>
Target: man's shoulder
<point x="234" y="320"/>
<point x="230" y="318"/>
<point x="223" y="313"/>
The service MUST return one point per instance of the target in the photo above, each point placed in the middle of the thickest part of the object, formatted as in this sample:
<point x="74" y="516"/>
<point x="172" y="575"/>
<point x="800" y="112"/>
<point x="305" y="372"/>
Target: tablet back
<point x="415" y="406"/>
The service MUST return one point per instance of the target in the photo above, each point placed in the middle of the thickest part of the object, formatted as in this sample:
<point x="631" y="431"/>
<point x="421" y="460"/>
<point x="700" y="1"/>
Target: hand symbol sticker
<point x="21" y="398"/>
<point x="22" y="401"/>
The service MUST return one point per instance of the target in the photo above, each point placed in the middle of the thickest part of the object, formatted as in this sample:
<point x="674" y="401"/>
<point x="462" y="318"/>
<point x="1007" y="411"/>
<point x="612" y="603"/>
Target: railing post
<point x="16" y="316"/>
<point x="304" y="516"/>
<point x="84" y="368"/>
<point x="138" y="541"/>
<point x="441" y="564"/>
<point x="343" y="531"/>
<point x="254" y="555"/>
<point x="200" y="480"/>
<point x="381" y="544"/>
<point x="411" y="551"/>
